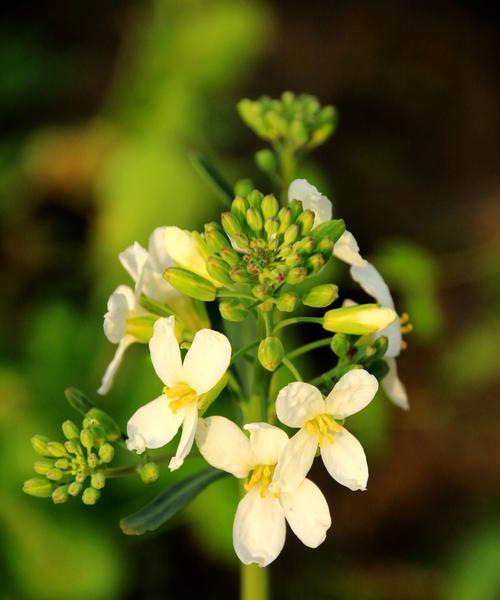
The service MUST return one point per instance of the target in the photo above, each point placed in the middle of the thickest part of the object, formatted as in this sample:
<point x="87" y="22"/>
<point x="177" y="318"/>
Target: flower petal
<point x="133" y="260"/>
<point x="165" y="352"/>
<point x="295" y="462"/>
<point x="345" y="460"/>
<point x="298" y="402"/>
<point x="267" y="442"/>
<point x="159" y="257"/>
<point x="307" y="513"/>
<point x="394" y="387"/>
<point x="299" y="189"/>
<point x="187" y="437"/>
<point x="207" y="360"/>
<point x="120" y="303"/>
<point x="394" y="338"/>
<point x="183" y="249"/>
<point x="346" y="249"/>
<point x="153" y="425"/>
<point x="259" y="529"/>
<point x="311" y="199"/>
<point x="112" y="368"/>
<point x="373" y="283"/>
<point x="224" y="446"/>
<point x="354" y="390"/>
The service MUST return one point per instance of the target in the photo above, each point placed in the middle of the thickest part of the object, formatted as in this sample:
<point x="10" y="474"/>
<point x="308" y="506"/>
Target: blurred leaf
<point x="169" y="503"/>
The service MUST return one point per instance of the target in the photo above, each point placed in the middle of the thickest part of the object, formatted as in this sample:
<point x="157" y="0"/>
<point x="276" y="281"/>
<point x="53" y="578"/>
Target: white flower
<point x="373" y="284"/>
<point x="302" y="405"/>
<point x="260" y="523"/>
<point x="206" y="361"/>
<point x="346" y="248"/>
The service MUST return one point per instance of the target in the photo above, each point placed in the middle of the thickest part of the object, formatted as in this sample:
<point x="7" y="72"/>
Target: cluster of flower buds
<point x="83" y="457"/>
<point x="299" y="120"/>
<point x="258" y="253"/>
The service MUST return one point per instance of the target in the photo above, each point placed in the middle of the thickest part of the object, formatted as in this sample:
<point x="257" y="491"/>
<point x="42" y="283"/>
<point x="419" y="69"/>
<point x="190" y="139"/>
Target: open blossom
<point x="346" y="248"/>
<point x="260" y="523"/>
<point x="301" y="405"/>
<point x="156" y="423"/>
<point x="373" y="284"/>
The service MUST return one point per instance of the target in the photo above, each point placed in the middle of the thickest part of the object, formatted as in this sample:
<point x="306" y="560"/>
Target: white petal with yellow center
<point x="345" y="460"/>
<point x="298" y="402"/>
<point x="206" y="360"/>
<point x="355" y="390"/>
<point x="187" y="437"/>
<point x="266" y="442"/>
<point x="295" y="461"/>
<point x="165" y="352"/>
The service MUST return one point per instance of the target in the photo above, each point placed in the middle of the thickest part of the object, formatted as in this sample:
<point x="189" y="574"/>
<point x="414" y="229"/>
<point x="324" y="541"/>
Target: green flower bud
<point x="321" y="295"/>
<point x="219" y="270"/>
<point x="233" y="310"/>
<point x="43" y="466"/>
<point x="305" y="245"/>
<point x="269" y="206"/>
<point x="39" y="443"/>
<point x="231" y="224"/>
<point x="230" y="256"/>
<point x="239" y="275"/>
<point x="73" y="446"/>
<point x="74" y="488"/>
<point x="325" y="248"/>
<point x="56" y="449"/>
<point x="380" y="347"/>
<point x="299" y="133"/>
<point x="98" y="417"/>
<point x="340" y="344"/>
<point x="285" y="219"/>
<point x="286" y="302"/>
<point x="254" y="219"/>
<point x="106" y="453"/>
<point x="242" y="241"/>
<point x="98" y="480"/>
<point x="266" y="160"/>
<point x="60" y="494"/>
<point x="90" y="496"/>
<point x="315" y="263"/>
<point x="80" y="477"/>
<point x="149" y="472"/>
<point x="272" y="226"/>
<point x="87" y="438"/>
<point x="63" y="464"/>
<point x="254" y="199"/>
<point x="291" y="234"/>
<point x="294" y="260"/>
<point x="295" y="207"/>
<point x="214" y="238"/>
<point x="239" y="209"/>
<point x="70" y="430"/>
<point x="266" y="306"/>
<point x="261" y="292"/>
<point x="92" y="460"/>
<point x="305" y="221"/>
<point x="358" y="320"/>
<point x="331" y="229"/>
<point x="271" y="353"/>
<point x="41" y="488"/>
<point x="55" y="474"/>
<point x="296" y="276"/>
<point x="190" y="284"/>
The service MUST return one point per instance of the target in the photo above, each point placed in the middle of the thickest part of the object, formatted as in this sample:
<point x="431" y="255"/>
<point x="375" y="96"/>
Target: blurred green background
<point x="100" y="105"/>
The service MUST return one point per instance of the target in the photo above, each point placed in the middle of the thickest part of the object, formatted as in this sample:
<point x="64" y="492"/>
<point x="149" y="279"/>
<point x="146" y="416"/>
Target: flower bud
<point x="298" y="132"/>
<point x="239" y="275"/>
<point x="254" y="219"/>
<point x="286" y="302"/>
<point x="106" y="453"/>
<point x="70" y="430"/>
<point x="295" y="207"/>
<point x="60" y="494"/>
<point x="233" y="311"/>
<point x="92" y="460"/>
<point x="271" y="353"/>
<point x="190" y="284"/>
<point x="305" y="245"/>
<point x="321" y="295"/>
<point x="73" y="446"/>
<point x="358" y="320"/>
<point x="331" y="229"/>
<point x="62" y="463"/>
<point x="266" y="160"/>
<point x="380" y="347"/>
<point x="261" y="292"/>
<point x="271" y="226"/>
<point x="266" y="306"/>
<point x="41" y="488"/>
<point x="214" y="238"/>
<point x="340" y="344"/>
<point x="231" y="223"/>
<point x="305" y="221"/>
<point x="87" y="438"/>
<point x="296" y="276"/>
<point x="219" y="270"/>
<point x="269" y="206"/>
<point x="55" y="474"/>
<point x="291" y="234"/>
<point x="39" y="443"/>
<point x="90" y="496"/>
<point x="285" y="219"/>
<point x="56" y="449"/>
<point x="325" y="248"/>
<point x="315" y="263"/>
<point x="149" y="472"/>
<point x="98" y="480"/>
<point x="97" y="417"/>
<point x="80" y="477"/>
<point x="294" y="260"/>
<point x="43" y="466"/>
<point x="74" y="488"/>
<point x="238" y="209"/>
<point x="254" y="199"/>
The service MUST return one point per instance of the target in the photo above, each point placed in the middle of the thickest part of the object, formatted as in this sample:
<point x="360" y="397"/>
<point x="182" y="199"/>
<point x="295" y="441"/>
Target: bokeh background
<point x="100" y="105"/>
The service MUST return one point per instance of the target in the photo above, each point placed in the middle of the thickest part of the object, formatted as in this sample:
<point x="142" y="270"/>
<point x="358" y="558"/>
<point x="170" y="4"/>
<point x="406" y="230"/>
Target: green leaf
<point x="214" y="179"/>
<point x="78" y="400"/>
<point x="169" y="502"/>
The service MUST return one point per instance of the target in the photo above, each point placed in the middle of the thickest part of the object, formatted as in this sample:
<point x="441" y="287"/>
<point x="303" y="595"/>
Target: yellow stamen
<point x="406" y="327"/>
<point x="263" y="475"/>
<point x="324" y="426"/>
<point x="180" y="395"/>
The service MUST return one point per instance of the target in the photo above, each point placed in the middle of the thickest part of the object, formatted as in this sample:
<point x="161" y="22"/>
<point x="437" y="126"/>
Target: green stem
<point x="254" y="584"/>
<point x="292" y="368"/>
<point x="325" y="376"/>
<point x="288" y="165"/>
<point x="294" y="320"/>
<point x="309" y="347"/>
<point x="244" y="350"/>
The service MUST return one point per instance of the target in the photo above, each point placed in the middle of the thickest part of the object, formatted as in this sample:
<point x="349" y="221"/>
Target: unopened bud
<point x="98" y="417"/>
<point x="190" y="284"/>
<point x="239" y="275"/>
<point x="269" y="206"/>
<point x="315" y="263"/>
<point x="305" y="221"/>
<point x="92" y="460"/>
<point x="271" y="353"/>
<point x="60" y="494"/>
<point x="291" y="234"/>
<point x="325" y="248"/>
<point x="271" y="226"/>
<point x="70" y="430"/>
<point x="380" y="347"/>
<point x="56" y="449"/>
<point x="106" y="453"/>
<point x="266" y="306"/>
<point x="321" y="295"/>
<point x="55" y="474"/>
<point x="39" y="443"/>
<point x="219" y="270"/>
<point x="254" y="199"/>
<point x="149" y="472"/>
<point x="295" y="207"/>
<point x="239" y="209"/>
<point x="296" y="276"/>
<point x="340" y="344"/>
<point x="286" y="302"/>
<point x="43" y="466"/>
<point x="261" y="292"/>
<point x="62" y="463"/>
<point x="241" y="241"/>
<point x="285" y="219"/>
<point x="74" y="488"/>
<point x="215" y="238"/>
<point x="230" y="256"/>
<point x="266" y="161"/>
<point x="98" y="480"/>
<point x="233" y="311"/>
<point x="254" y="219"/>
<point x="231" y="223"/>
<point x="41" y="488"/>
<point x="90" y="496"/>
<point x="73" y="446"/>
<point x="305" y="245"/>
<point x="87" y="438"/>
<point x="331" y="229"/>
<point x="358" y="320"/>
